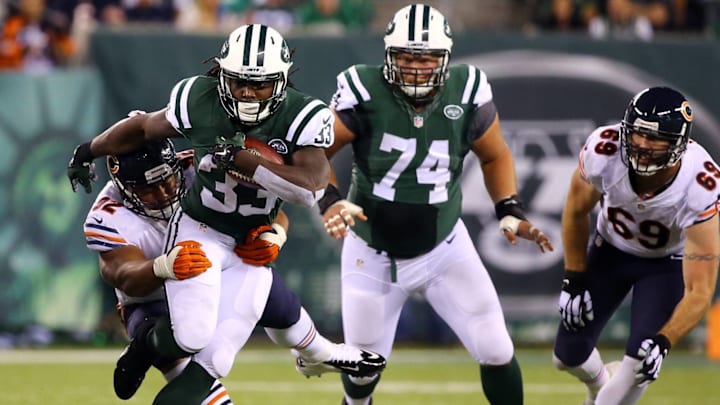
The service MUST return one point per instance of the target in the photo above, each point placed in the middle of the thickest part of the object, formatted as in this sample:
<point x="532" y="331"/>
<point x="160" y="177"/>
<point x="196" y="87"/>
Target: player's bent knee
<point x="558" y="363"/>
<point x="193" y="339"/>
<point x="222" y="362"/>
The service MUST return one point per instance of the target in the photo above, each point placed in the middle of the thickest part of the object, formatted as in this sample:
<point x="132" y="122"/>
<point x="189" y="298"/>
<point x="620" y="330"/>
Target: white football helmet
<point x="253" y="53"/>
<point x="417" y="29"/>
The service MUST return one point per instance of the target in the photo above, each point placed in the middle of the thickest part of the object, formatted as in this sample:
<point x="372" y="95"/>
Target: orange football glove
<point x="262" y="245"/>
<point x="185" y="260"/>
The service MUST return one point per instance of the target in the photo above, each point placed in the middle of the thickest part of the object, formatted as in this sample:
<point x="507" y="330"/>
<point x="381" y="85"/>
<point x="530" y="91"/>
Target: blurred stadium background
<point x="552" y="86"/>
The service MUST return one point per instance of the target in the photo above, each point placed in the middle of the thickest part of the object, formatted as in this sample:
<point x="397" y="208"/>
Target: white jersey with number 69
<point x="648" y="226"/>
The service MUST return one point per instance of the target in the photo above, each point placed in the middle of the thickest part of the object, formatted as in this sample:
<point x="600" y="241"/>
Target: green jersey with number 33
<point x="215" y="199"/>
<point x="407" y="164"/>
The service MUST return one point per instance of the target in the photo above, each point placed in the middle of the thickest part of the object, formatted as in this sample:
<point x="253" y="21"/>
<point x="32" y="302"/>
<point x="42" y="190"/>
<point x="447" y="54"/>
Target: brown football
<point x="261" y="149"/>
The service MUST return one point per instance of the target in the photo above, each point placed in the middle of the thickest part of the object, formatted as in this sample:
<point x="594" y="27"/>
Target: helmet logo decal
<point x="279" y="146"/>
<point x="285" y="52"/>
<point x="453" y="111"/>
<point x="686" y="111"/>
<point x="390" y="28"/>
<point x="225" y="50"/>
<point x="446" y="28"/>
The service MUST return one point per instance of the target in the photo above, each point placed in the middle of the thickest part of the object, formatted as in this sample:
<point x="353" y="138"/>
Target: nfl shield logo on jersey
<point x="418" y="121"/>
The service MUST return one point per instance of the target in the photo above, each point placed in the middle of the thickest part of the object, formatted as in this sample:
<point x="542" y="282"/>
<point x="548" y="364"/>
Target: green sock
<point x="503" y="384"/>
<point x="191" y="387"/>
<point x="162" y="341"/>
<point x="358" y="391"/>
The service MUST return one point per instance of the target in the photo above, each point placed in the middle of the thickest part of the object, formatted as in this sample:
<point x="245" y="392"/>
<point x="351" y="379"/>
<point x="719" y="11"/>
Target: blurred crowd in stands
<point x="630" y="19"/>
<point x="40" y="34"/>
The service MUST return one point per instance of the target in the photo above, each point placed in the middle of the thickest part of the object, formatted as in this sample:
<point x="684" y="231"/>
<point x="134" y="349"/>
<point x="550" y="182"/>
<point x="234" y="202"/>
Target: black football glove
<point x="652" y="352"/>
<point x="575" y="303"/>
<point x="81" y="169"/>
<point x="223" y="155"/>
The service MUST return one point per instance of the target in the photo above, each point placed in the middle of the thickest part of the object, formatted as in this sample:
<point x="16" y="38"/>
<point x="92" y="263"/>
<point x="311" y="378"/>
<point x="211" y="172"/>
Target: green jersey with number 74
<point x="408" y="164"/>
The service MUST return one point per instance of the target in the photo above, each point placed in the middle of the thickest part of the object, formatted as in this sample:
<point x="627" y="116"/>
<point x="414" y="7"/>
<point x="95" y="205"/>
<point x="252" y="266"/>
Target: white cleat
<point x="344" y="359"/>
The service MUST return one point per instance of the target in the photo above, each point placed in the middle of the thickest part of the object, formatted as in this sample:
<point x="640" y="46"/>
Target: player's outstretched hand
<point x="81" y="169"/>
<point x="340" y="216"/>
<point x="512" y="227"/>
<point x="652" y="352"/>
<point x="262" y="245"/>
<point x="185" y="260"/>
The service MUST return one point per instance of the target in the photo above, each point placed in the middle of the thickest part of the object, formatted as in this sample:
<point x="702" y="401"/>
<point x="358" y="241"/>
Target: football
<point x="261" y="149"/>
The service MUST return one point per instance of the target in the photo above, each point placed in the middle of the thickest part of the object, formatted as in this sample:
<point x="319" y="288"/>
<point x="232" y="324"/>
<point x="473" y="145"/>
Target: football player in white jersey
<point x="211" y="315"/>
<point x="126" y="227"/>
<point x="656" y="234"/>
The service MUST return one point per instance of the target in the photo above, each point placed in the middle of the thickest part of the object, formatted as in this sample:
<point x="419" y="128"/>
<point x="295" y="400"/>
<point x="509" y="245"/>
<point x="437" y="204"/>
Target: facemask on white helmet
<point x="422" y="32"/>
<point x="253" y="55"/>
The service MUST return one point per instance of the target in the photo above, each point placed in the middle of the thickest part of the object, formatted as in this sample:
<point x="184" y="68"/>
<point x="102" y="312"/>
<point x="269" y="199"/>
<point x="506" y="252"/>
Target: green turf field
<point x="265" y="375"/>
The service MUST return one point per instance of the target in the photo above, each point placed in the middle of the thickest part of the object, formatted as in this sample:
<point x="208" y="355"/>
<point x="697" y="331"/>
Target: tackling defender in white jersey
<point x="126" y="227"/>
<point x="656" y="233"/>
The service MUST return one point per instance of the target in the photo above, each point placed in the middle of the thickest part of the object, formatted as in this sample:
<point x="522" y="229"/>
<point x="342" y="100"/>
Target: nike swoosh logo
<point x="348" y="368"/>
<point x="326" y="120"/>
<point x="450" y="239"/>
<point x="372" y="356"/>
<point x="98" y="220"/>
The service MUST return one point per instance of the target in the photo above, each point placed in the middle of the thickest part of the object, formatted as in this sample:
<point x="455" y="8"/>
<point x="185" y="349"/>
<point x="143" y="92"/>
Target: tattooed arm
<point x="700" y="270"/>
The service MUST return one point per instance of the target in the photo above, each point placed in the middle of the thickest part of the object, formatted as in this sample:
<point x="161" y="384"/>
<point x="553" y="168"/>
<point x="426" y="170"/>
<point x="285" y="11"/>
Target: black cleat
<point x="134" y="362"/>
<point x="344" y="359"/>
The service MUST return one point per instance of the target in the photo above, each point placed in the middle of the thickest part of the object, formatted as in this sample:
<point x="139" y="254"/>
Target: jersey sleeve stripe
<point x="357" y="85"/>
<point x="102" y="228"/>
<point x="91" y="235"/>
<point x="184" y="115"/>
<point x="299" y="122"/>
<point x="469" y="85"/>
<point x="709" y="213"/>
<point x="91" y="243"/>
<point x="339" y="101"/>
<point x="170" y="112"/>
<point x="177" y="112"/>
<point x="483" y="93"/>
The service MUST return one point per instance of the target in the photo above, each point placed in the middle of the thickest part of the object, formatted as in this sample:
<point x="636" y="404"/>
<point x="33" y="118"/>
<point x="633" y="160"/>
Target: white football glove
<point x="652" y="352"/>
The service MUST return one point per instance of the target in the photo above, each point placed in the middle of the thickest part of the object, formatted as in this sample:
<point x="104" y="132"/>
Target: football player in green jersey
<point x="411" y="122"/>
<point x="245" y="94"/>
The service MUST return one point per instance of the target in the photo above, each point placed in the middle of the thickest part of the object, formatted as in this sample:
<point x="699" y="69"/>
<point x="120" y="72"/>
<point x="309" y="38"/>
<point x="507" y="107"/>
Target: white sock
<point x="622" y="387"/>
<point x="592" y="372"/>
<point x="303" y="337"/>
